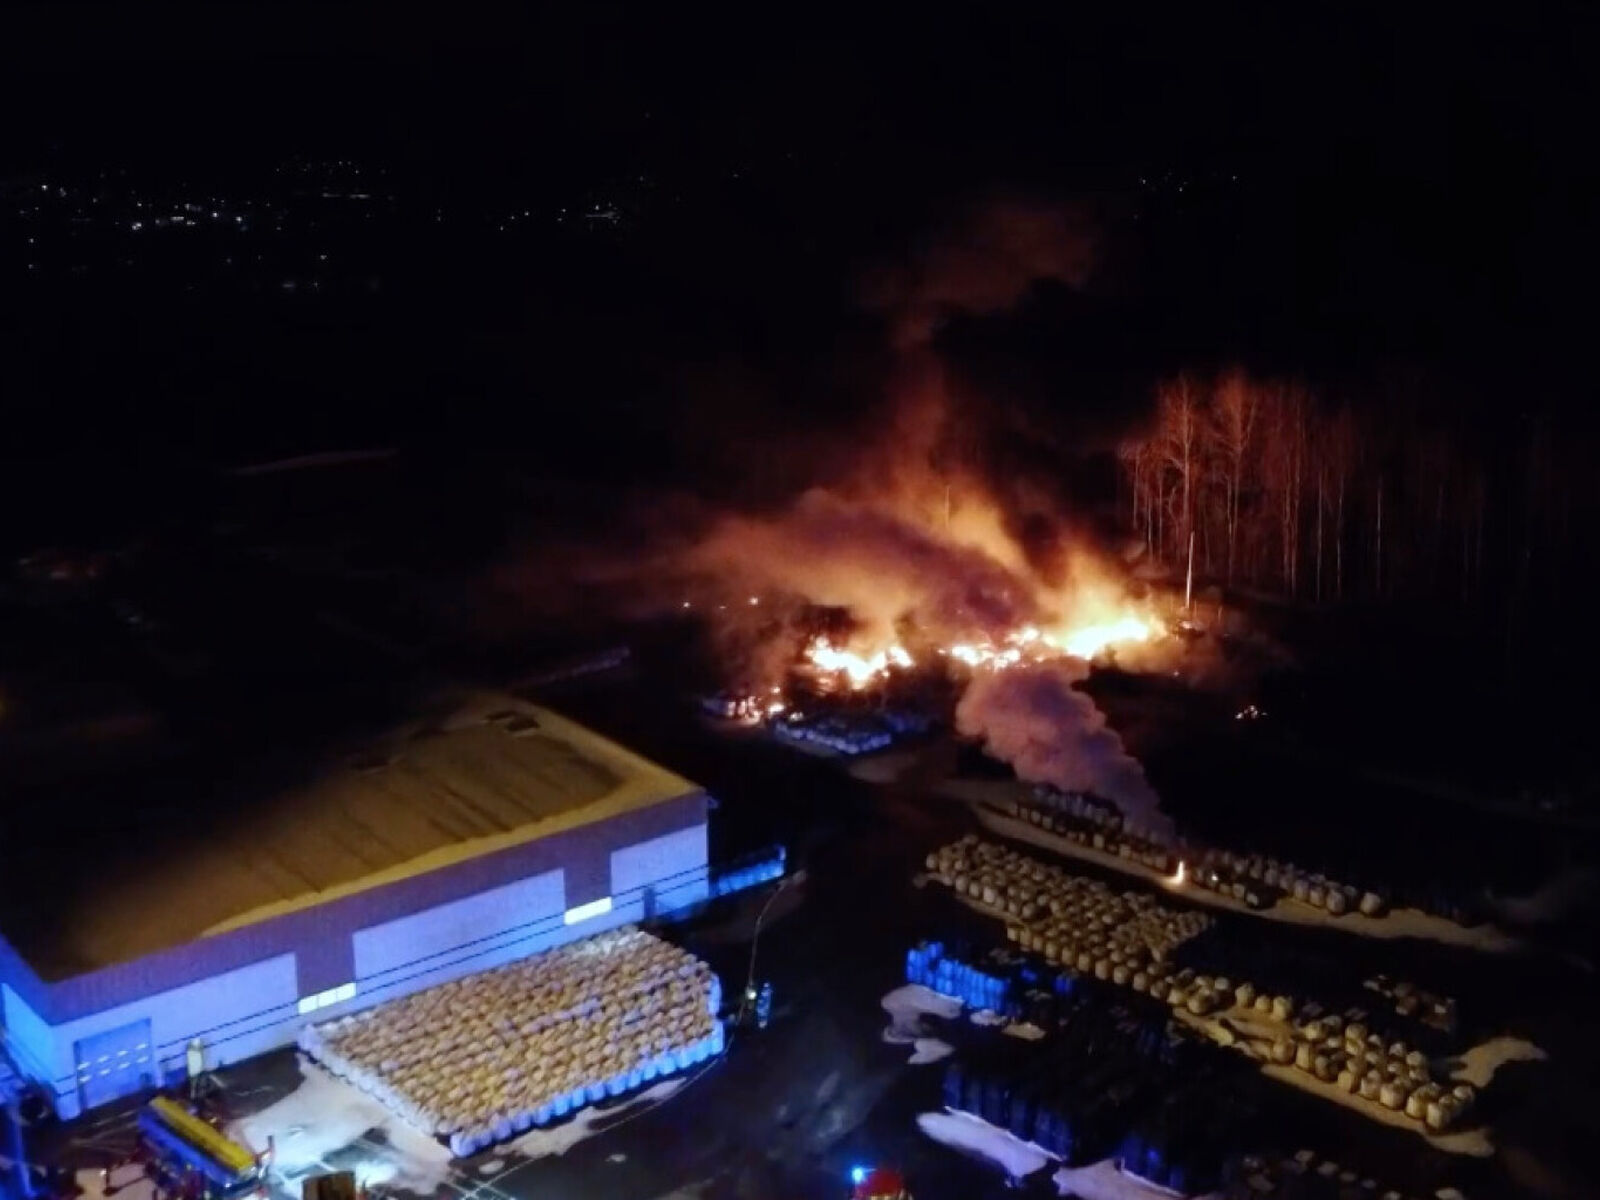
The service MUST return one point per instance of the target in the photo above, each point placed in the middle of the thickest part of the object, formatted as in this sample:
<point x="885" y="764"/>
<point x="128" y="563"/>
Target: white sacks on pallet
<point x="484" y="1057"/>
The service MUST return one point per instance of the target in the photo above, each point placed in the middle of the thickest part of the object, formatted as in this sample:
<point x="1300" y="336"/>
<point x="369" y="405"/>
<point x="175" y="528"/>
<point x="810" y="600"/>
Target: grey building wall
<point x="241" y="992"/>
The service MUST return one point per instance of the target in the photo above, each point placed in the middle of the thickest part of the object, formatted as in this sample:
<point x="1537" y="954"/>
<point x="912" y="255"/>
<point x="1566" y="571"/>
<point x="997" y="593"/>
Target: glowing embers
<point x="1091" y="641"/>
<point x="1030" y="644"/>
<point x="830" y="664"/>
<point x="1025" y="644"/>
<point x="858" y="670"/>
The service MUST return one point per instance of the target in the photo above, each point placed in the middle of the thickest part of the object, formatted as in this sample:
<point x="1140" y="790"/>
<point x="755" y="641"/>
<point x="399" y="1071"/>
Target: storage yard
<point x="1131" y="942"/>
<point x="1058" y="1009"/>
<point x="483" y="1058"/>
<point x="447" y="846"/>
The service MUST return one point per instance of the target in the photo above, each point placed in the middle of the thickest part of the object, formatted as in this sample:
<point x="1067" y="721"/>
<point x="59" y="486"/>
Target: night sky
<point x="667" y="328"/>
<point x="1345" y="194"/>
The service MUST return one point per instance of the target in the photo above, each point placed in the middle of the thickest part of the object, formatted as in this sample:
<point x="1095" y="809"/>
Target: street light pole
<point x="755" y="939"/>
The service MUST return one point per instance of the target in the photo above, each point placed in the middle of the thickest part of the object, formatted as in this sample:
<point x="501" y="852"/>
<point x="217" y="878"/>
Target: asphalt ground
<point x="788" y="1110"/>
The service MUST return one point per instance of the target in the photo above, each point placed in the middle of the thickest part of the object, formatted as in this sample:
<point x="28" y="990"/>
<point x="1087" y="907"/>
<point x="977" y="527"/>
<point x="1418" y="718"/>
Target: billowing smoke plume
<point x="985" y="264"/>
<point x="917" y="538"/>
<point x="1034" y="718"/>
<point x="909" y="534"/>
<point x="879" y="564"/>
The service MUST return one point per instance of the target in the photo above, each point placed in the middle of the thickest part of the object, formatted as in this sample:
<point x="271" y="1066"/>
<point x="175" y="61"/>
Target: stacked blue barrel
<point x="843" y="734"/>
<point x="1179" y="1141"/>
<point x="750" y="872"/>
<point x="1077" y="1094"/>
<point x="928" y="964"/>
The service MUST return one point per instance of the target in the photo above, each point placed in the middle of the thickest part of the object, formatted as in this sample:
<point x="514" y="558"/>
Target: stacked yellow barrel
<point x="1072" y="921"/>
<point x="1128" y="938"/>
<point x="487" y="1056"/>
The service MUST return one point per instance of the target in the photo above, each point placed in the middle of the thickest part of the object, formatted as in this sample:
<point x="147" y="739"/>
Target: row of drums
<point x="1126" y="939"/>
<point x="1075" y="914"/>
<point x="1223" y="869"/>
<point x="1251" y="878"/>
<point x="929" y="966"/>
<point x="750" y="875"/>
<point x="838" y="735"/>
<point x="1397" y="1076"/>
<point x="1302" y="1176"/>
<point x="489" y="1055"/>
<point x="1081" y="820"/>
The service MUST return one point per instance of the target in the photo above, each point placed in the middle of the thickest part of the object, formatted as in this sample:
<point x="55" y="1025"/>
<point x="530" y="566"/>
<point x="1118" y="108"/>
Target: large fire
<point x="912" y="563"/>
<point x="1091" y="641"/>
<point x="861" y="670"/>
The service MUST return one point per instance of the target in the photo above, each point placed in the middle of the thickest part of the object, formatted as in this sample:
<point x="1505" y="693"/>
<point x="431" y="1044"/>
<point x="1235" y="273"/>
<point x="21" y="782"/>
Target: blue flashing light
<point x="858" y="1175"/>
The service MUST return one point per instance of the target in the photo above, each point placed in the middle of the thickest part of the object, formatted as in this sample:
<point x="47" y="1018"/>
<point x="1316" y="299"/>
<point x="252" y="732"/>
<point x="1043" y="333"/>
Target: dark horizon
<point x="631" y="251"/>
<point x="1096" y="500"/>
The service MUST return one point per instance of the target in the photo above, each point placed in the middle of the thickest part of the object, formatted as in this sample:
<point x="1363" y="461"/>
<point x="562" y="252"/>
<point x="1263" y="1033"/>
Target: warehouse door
<point x="116" y="1063"/>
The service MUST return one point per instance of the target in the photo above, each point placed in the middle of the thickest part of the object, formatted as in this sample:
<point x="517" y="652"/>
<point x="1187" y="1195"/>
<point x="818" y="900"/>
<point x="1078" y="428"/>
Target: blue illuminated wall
<point x="245" y="991"/>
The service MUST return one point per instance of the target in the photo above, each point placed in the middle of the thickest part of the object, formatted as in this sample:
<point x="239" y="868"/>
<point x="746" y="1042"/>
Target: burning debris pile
<point x="927" y="556"/>
<point x="931" y="562"/>
<point x="910" y="571"/>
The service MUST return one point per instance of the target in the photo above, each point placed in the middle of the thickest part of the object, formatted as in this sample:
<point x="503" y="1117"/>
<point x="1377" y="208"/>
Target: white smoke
<point x="1034" y="718"/>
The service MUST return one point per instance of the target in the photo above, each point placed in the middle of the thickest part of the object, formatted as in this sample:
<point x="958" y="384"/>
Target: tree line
<point x="1281" y="490"/>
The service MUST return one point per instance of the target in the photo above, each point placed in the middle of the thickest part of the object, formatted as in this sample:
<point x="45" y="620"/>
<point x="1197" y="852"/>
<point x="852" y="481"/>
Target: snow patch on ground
<point x="929" y="1050"/>
<point x="1479" y="1064"/>
<point x="325" y="1115"/>
<point x="983" y="1016"/>
<point x="1026" y="1030"/>
<point x="558" y="1139"/>
<point x="907" y="1006"/>
<point x="972" y="1135"/>
<point x="914" y="1000"/>
<point x="961" y="1131"/>
<point x="1562" y="895"/>
<point x="1103" y="1181"/>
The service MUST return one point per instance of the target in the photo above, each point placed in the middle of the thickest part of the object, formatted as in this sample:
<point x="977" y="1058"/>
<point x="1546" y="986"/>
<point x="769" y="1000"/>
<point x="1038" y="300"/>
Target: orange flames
<point x="1090" y="641"/>
<point x="861" y="670"/>
<point x="914" y="537"/>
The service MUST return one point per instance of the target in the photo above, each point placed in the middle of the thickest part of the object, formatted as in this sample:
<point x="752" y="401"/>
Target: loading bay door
<point x="116" y="1063"/>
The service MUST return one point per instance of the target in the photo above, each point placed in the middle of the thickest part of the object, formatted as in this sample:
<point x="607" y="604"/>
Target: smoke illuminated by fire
<point x="921" y="553"/>
<point x="922" y="570"/>
<point x="862" y="668"/>
<point x="867" y="657"/>
<point x="1091" y="640"/>
<point x="860" y="671"/>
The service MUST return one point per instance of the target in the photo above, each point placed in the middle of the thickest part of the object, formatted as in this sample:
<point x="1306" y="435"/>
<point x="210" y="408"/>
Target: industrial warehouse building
<point x="443" y="848"/>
